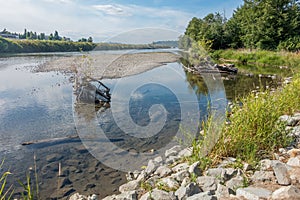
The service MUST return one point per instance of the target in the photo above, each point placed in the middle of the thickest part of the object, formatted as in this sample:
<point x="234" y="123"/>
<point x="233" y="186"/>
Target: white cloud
<point x="75" y="19"/>
<point x="110" y="9"/>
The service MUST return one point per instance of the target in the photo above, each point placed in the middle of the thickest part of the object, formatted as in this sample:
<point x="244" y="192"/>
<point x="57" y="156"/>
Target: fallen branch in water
<point x="51" y="140"/>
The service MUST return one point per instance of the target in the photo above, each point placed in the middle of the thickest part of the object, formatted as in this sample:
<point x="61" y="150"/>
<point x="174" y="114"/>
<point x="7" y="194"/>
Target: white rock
<point x="202" y="196"/>
<point x="253" y="193"/>
<point x="169" y="182"/>
<point x="173" y="151"/>
<point x="158" y="159"/>
<point x="295" y="162"/>
<point x="231" y="172"/>
<point x="265" y="164"/>
<point x="222" y="192"/>
<point x="290" y="121"/>
<point x="194" y="169"/>
<point x="189" y="190"/>
<point x="142" y="176"/>
<point x="130" y="186"/>
<point x="77" y="196"/>
<point x="235" y="183"/>
<point x="215" y="172"/>
<point x="207" y="183"/>
<point x="263" y="176"/>
<point x="287" y="192"/>
<point x="93" y="197"/>
<point x="129" y="195"/>
<point x="151" y="167"/>
<point x="172" y="159"/>
<point x="281" y="174"/>
<point x="185" y="181"/>
<point x="187" y="152"/>
<point x="179" y="176"/>
<point x="163" y="171"/>
<point x="157" y="194"/>
<point x="180" y="167"/>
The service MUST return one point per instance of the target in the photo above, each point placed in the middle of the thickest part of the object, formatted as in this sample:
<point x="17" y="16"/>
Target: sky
<point x="131" y="21"/>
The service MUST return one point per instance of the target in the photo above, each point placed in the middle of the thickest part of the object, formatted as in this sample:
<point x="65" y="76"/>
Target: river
<point x="42" y="106"/>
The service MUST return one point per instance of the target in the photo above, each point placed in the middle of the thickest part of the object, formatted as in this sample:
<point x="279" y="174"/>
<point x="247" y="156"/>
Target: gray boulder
<point x="173" y="151"/>
<point x="265" y="164"/>
<point x="295" y="162"/>
<point x="281" y="173"/>
<point x="163" y="171"/>
<point x="235" y="183"/>
<point x="169" y="183"/>
<point x="222" y="192"/>
<point x="180" y="167"/>
<point x="157" y="194"/>
<point x="207" y="183"/>
<point x="194" y="169"/>
<point x="263" y="176"/>
<point x="287" y="192"/>
<point x="189" y="190"/>
<point x="130" y="186"/>
<point x="172" y="159"/>
<point x="253" y="193"/>
<point x="151" y="167"/>
<point x="202" y="196"/>
<point x="187" y="152"/>
<point x="179" y="176"/>
<point x="129" y="195"/>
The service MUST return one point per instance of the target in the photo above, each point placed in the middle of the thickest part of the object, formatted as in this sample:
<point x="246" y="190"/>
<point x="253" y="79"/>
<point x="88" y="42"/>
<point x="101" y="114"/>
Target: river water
<point x="42" y="106"/>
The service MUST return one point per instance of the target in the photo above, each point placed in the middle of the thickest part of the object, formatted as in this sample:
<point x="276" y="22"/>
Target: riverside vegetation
<point x="37" y="46"/>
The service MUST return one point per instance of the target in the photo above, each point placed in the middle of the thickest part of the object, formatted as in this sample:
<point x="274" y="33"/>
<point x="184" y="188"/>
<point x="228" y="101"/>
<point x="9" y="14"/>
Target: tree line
<point x="30" y="35"/>
<point x="257" y="24"/>
<point x="35" y="46"/>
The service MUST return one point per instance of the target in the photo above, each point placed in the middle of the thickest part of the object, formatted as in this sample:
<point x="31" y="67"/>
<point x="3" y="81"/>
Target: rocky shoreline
<point x="171" y="178"/>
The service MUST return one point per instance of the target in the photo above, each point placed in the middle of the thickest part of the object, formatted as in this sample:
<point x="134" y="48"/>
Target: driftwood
<point x="52" y="140"/>
<point x="67" y="139"/>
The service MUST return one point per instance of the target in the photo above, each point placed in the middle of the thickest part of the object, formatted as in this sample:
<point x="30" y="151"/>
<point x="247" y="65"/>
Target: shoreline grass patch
<point x="254" y="132"/>
<point x="264" y="61"/>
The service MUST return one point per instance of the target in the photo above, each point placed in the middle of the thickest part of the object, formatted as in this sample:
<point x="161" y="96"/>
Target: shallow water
<point x="37" y="106"/>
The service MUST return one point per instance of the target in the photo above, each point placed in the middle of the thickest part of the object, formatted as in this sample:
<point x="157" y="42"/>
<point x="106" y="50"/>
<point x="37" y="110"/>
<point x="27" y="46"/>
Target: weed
<point x="4" y="192"/>
<point x="254" y="132"/>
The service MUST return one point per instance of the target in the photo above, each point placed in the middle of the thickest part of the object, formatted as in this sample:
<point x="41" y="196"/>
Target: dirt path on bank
<point x="109" y="65"/>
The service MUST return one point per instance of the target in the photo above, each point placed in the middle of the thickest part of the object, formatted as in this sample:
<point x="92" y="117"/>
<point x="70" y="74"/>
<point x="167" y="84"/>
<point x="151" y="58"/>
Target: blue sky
<point x="109" y="20"/>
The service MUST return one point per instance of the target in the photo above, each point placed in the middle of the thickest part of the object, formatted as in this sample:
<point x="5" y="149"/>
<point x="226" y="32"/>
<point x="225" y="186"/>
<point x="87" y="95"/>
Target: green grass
<point x="5" y="193"/>
<point x="254" y="132"/>
<point x="258" y="61"/>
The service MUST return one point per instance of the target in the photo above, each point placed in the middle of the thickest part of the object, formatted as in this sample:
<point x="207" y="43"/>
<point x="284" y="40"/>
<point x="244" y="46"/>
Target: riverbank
<point x="259" y="61"/>
<point x="99" y="66"/>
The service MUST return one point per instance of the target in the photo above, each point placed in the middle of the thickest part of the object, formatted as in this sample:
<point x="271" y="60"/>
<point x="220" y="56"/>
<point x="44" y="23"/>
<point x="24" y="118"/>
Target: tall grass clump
<point x="255" y="132"/>
<point x="5" y="193"/>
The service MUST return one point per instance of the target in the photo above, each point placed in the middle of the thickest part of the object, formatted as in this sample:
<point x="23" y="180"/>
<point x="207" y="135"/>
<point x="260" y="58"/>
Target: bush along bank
<point x="260" y="61"/>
